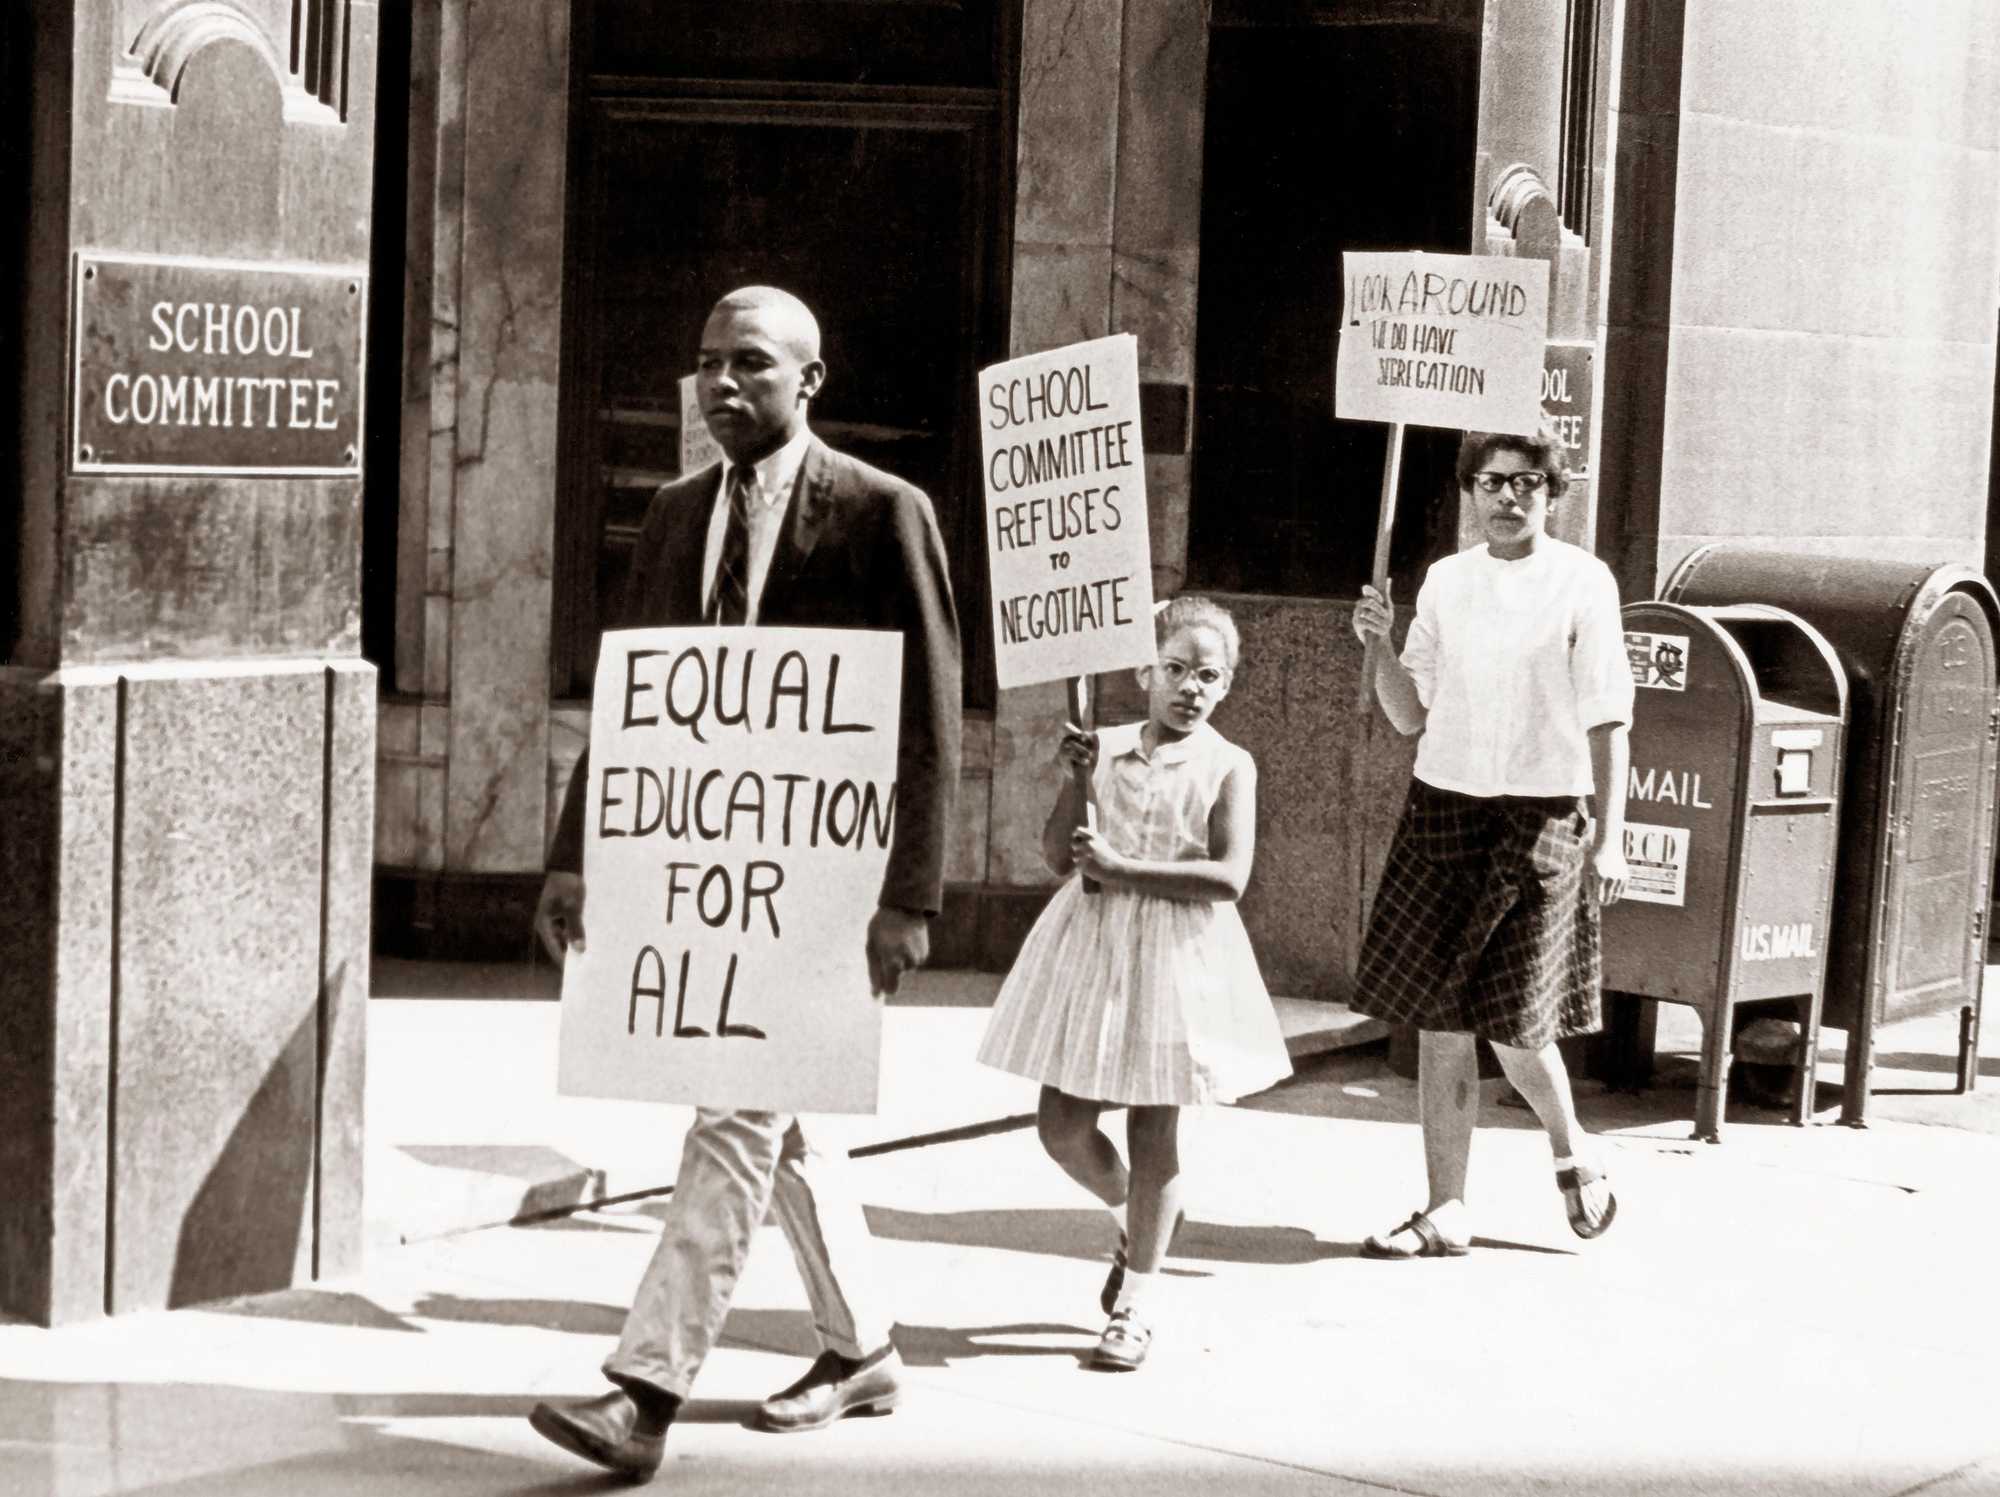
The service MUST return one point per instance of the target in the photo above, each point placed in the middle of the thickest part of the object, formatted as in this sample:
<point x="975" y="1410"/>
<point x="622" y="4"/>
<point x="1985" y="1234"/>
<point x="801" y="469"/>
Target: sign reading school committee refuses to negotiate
<point x="1066" y="538"/>
<point x="1442" y="340"/>
<point x="741" y="798"/>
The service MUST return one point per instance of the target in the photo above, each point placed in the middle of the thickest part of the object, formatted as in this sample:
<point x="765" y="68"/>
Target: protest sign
<point x="1442" y="340"/>
<point x="698" y="445"/>
<point x="741" y="799"/>
<point x="1437" y="340"/>
<point x="1067" y="546"/>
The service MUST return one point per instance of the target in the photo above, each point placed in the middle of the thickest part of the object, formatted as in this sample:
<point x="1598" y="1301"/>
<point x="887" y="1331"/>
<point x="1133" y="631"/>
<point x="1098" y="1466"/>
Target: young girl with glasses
<point x="1486" y="922"/>
<point x="1140" y="989"/>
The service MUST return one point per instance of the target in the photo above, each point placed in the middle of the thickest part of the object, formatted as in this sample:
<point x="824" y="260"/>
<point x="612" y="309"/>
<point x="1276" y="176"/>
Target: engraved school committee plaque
<point x="216" y="367"/>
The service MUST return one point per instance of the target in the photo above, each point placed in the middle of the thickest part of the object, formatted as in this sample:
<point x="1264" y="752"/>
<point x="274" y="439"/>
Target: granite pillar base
<point x="183" y="970"/>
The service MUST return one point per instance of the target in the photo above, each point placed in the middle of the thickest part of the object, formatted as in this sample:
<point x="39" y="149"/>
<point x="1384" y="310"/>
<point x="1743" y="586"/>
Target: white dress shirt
<point x="772" y="480"/>
<point x="1516" y="662"/>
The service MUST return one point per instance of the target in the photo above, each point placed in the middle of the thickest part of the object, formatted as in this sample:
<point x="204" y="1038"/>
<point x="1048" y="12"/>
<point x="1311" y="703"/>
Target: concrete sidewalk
<point x="1794" y="1311"/>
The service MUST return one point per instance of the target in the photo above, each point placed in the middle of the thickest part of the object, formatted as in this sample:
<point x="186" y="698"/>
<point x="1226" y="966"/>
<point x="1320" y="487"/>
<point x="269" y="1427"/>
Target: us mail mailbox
<point x="1732" y="806"/>
<point x="1916" y="845"/>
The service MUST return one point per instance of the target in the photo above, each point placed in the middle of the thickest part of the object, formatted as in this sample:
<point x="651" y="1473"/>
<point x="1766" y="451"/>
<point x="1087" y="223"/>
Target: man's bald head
<point x="783" y="314"/>
<point x="759" y="368"/>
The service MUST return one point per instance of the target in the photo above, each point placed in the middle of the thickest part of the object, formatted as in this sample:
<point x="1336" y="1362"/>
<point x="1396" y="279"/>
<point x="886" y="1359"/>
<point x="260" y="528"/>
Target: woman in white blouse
<point x="1486" y="923"/>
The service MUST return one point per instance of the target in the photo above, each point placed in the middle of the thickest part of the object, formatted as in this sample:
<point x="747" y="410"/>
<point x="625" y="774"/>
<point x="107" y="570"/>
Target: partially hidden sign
<point x="698" y="445"/>
<point x="741" y="800"/>
<point x="216" y="367"/>
<point x="1442" y="340"/>
<point x="1066" y="537"/>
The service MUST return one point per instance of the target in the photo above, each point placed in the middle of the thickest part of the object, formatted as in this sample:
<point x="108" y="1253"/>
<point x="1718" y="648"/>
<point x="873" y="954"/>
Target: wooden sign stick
<point x="1385" y="522"/>
<point x="1085" y="782"/>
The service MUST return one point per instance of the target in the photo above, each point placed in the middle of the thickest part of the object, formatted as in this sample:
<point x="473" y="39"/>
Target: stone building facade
<point x="1760" y="272"/>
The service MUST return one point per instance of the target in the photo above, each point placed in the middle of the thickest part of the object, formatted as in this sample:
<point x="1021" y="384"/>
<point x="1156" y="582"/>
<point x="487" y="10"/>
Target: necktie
<point x="731" y="603"/>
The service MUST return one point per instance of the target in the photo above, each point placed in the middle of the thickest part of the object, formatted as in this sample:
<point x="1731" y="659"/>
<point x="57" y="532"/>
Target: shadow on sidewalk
<point x="790" y="1333"/>
<point x="1086" y="1234"/>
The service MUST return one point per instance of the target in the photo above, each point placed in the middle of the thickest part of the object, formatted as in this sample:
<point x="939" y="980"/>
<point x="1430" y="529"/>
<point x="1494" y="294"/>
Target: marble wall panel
<point x="569" y="735"/>
<point x="504" y="455"/>
<point x="1838" y="230"/>
<point x="1026" y="724"/>
<point x="1169" y="489"/>
<point x="1068" y="125"/>
<point x="216" y="1030"/>
<point x="58" y="757"/>
<point x="1520" y="84"/>
<point x="1765" y="432"/>
<point x="1163" y="73"/>
<point x="1940" y="87"/>
<point x="1330" y="783"/>
<point x="965" y="856"/>
<point x="419" y="283"/>
<point x="341" y="1042"/>
<point x="1062" y="294"/>
<point x="1153" y="298"/>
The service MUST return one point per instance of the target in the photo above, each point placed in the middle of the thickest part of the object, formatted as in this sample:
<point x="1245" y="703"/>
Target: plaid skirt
<point x="1484" y="923"/>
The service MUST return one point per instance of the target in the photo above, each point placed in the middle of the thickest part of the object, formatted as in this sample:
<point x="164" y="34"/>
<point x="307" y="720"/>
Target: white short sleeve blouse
<point x="1516" y="661"/>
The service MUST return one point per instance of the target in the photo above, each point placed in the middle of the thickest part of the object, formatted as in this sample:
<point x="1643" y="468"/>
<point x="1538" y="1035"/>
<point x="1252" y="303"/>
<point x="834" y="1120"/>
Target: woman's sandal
<point x="1124" y="1344"/>
<point x="1571" y="1183"/>
<point x="1431" y="1243"/>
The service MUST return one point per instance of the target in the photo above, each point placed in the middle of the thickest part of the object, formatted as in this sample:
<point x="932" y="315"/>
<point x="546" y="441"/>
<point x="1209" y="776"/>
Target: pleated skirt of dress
<point x="1131" y="998"/>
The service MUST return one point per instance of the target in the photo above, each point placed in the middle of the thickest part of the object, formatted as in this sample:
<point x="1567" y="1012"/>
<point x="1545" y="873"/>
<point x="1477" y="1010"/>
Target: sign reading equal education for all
<point x="1066" y="538"/>
<point x="1442" y="340"/>
<point x="741" y="800"/>
<point x="216" y="367"/>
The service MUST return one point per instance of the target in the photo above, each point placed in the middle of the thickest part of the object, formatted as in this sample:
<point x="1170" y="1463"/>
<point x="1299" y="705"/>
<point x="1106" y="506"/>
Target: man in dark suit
<point x="783" y="531"/>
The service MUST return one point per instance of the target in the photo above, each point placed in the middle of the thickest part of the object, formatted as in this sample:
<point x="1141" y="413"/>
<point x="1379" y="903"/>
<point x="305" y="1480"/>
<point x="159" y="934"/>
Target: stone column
<point x="1107" y="240"/>
<point x="186" y="728"/>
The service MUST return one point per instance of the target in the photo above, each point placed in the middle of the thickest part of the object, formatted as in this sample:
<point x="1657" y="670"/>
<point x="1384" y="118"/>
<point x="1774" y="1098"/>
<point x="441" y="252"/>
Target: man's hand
<point x="559" y="914"/>
<point x="897" y="941"/>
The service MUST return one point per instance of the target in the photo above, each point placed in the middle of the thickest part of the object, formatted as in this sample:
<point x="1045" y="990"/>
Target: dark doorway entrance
<point x="1320" y="138"/>
<point x="859" y="155"/>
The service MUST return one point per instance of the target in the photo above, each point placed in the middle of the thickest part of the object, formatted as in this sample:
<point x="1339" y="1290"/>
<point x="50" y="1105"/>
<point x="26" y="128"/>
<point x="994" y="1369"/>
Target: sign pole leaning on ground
<point x="1068" y="547"/>
<point x="1437" y="340"/>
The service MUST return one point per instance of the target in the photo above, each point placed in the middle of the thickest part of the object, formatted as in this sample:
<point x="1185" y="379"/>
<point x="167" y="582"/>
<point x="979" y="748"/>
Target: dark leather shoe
<point x="833" y="1388"/>
<point x="608" y="1431"/>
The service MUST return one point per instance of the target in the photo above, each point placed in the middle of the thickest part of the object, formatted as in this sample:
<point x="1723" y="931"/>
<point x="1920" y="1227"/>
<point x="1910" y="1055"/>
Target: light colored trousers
<point x="734" y="1166"/>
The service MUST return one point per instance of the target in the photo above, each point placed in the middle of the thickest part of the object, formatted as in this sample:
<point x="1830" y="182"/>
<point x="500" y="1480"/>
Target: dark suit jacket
<point x="859" y="550"/>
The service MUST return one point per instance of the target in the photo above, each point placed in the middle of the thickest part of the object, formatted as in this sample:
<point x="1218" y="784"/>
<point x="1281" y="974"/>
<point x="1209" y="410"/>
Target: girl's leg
<point x="1543" y="1081"/>
<point x="1154" y="1136"/>
<point x="1068" y="1129"/>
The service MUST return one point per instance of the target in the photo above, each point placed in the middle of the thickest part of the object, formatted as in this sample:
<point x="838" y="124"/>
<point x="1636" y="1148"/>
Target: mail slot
<point x="1916" y="847"/>
<point x="1731" y="815"/>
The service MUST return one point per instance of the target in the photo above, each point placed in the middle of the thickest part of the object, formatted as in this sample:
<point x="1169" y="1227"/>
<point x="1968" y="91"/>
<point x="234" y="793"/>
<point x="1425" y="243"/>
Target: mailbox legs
<point x="1860" y="1067"/>
<point x="1968" y="1048"/>
<point x="1712" y="1086"/>
<point x="1806" y="1089"/>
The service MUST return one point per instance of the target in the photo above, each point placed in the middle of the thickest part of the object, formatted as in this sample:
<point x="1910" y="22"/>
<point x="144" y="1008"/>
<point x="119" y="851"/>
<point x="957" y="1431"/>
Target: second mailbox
<point x="1731" y="820"/>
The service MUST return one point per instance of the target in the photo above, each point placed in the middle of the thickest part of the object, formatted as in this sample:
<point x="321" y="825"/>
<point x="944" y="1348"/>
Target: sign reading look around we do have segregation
<point x="1066" y="538"/>
<point x="741" y="798"/>
<point x="1442" y="340"/>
